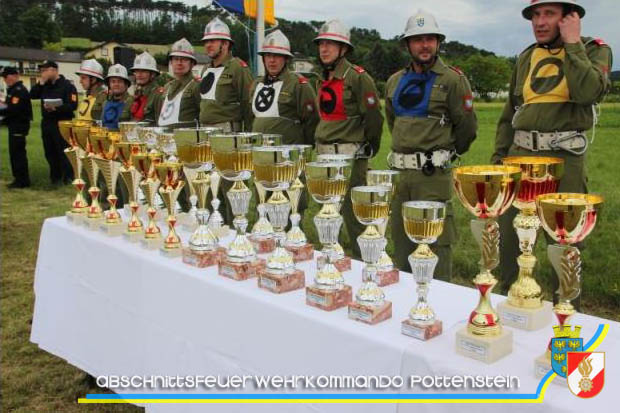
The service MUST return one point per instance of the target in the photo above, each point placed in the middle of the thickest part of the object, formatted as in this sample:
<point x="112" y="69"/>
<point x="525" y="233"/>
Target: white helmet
<point x="276" y="43"/>
<point x="183" y="48"/>
<point x="117" y="70"/>
<point x="422" y="23"/>
<point x="527" y="11"/>
<point x="217" y="29"/>
<point x="145" y="61"/>
<point x="336" y="31"/>
<point x="91" y="67"/>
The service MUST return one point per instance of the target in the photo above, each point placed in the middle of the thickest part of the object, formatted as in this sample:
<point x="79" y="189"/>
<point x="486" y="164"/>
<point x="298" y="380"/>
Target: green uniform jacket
<point x="190" y="101"/>
<point x="450" y="121"/>
<point x="559" y="99"/>
<point x="101" y="95"/>
<point x="133" y="109"/>
<point x="349" y="108"/>
<point x="232" y="94"/>
<point x="296" y="104"/>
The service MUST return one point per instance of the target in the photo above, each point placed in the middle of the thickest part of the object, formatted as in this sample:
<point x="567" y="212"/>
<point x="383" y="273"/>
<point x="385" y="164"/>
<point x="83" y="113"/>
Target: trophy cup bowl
<point x="524" y="307"/>
<point x="169" y="174"/>
<point x="423" y="222"/>
<point x="79" y="206"/>
<point x="371" y="207"/>
<point x="486" y="191"/>
<point x="148" y="135"/>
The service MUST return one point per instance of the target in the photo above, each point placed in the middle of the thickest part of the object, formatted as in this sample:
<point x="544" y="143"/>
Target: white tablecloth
<point x="112" y="308"/>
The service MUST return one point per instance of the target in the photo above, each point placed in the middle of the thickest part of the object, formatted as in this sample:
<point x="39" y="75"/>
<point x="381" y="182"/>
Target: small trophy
<point x="68" y="129"/>
<point x="524" y="307"/>
<point x="423" y="221"/>
<point x="104" y="147"/>
<point x="169" y="174"/>
<point x="296" y="242"/>
<point x="387" y="274"/>
<point x="275" y="168"/>
<point x="328" y="183"/>
<point x="486" y="191"/>
<point x="146" y="163"/>
<point x="95" y="213"/>
<point x="568" y="218"/>
<point x="232" y="154"/>
<point x="371" y="206"/>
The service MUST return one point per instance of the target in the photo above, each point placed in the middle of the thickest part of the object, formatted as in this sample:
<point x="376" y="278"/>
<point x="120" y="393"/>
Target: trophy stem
<point x="423" y="262"/>
<point x="203" y="238"/>
<point x="240" y="249"/>
<point x="172" y="240"/>
<point x="295" y="236"/>
<point x="328" y="222"/>
<point x="152" y="230"/>
<point x="112" y="215"/>
<point x="170" y="195"/>
<point x="79" y="204"/>
<point x="134" y="224"/>
<point x="94" y="209"/>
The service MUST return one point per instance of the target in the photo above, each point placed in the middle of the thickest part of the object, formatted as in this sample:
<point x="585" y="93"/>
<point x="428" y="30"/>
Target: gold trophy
<point x="83" y="137"/>
<point x="79" y="207"/>
<point x="296" y="242"/>
<point x="486" y="191"/>
<point x="146" y="163"/>
<point x="131" y="176"/>
<point x="371" y="206"/>
<point x="524" y="307"/>
<point x="169" y="174"/>
<point x="328" y="183"/>
<point x="104" y="148"/>
<point x="232" y="154"/>
<point x="568" y="218"/>
<point x="275" y="168"/>
<point x="387" y="274"/>
<point x="423" y="221"/>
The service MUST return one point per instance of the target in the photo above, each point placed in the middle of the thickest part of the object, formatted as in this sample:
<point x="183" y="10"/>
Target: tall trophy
<point x="296" y="242"/>
<point x="146" y="162"/>
<point x="371" y="207"/>
<point x="169" y="174"/>
<point x="387" y="274"/>
<point x="524" y="307"/>
<point x="104" y="147"/>
<point x="423" y="221"/>
<point x="94" y="217"/>
<point x="328" y="183"/>
<point x="568" y="218"/>
<point x="232" y="154"/>
<point x="68" y="129"/>
<point x="275" y="168"/>
<point x="131" y="177"/>
<point x="486" y="191"/>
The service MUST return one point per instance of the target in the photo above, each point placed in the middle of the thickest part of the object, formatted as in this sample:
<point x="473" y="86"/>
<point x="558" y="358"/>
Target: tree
<point x="487" y="74"/>
<point x="40" y="27"/>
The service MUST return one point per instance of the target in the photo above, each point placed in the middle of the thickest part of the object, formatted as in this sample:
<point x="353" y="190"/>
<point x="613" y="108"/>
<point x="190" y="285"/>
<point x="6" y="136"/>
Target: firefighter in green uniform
<point x="146" y="91"/>
<point x="554" y="88"/>
<point x="91" y="79"/>
<point x="178" y="105"/>
<point x="118" y="83"/>
<point x="429" y="109"/>
<point x="350" y="114"/>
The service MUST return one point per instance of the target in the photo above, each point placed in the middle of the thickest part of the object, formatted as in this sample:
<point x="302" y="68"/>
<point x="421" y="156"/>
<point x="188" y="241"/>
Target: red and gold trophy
<point x="84" y="139"/>
<point x="131" y="177"/>
<point x="169" y="174"/>
<point x="68" y="128"/>
<point x="146" y="162"/>
<point x="104" y="147"/>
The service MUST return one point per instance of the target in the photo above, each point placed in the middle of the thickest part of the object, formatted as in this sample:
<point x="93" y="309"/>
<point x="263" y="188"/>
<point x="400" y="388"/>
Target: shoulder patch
<point x="160" y="89"/>
<point x="242" y="62"/>
<point x="600" y="41"/>
<point x="302" y="79"/>
<point x="74" y="97"/>
<point x="457" y="70"/>
<point x="359" y="69"/>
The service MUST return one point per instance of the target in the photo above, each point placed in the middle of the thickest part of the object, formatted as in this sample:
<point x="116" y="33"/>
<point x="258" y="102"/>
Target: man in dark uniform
<point x="17" y="115"/>
<point x="53" y="85"/>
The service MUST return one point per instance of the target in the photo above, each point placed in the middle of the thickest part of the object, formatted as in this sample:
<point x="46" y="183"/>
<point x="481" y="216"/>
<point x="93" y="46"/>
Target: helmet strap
<point x="330" y="67"/>
<point x="425" y="66"/>
<point x="555" y="43"/>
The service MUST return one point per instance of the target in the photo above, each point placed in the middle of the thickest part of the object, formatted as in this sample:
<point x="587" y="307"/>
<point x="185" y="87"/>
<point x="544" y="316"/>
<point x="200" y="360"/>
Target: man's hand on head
<point x="570" y="28"/>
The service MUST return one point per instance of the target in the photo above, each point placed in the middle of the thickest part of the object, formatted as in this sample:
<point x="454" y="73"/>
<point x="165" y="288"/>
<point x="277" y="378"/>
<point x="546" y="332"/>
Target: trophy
<point x="232" y="154"/>
<point x="145" y="162"/>
<point x="83" y="137"/>
<point x="423" y="221"/>
<point x="387" y="274"/>
<point x="129" y="130"/>
<point x="103" y="146"/>
<point x="275" y="168"/>
<point x="486" y="191"/>
<point x="79" y="207"/>
<point x="131" y="176"/>
<point x="169" y="174"/>
<point x="524" y="307"/>
<point x="328" y="183"/>
<point x="371" y="207"/>
<point x="568" y="218"/>
<point x="296" y="242"/>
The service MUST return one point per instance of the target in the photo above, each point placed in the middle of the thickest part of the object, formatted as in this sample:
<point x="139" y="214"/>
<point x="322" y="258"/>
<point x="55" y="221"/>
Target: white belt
<point x="227" y="127"/>
<point x="574" y="142"/>
<point x="337" y="148"/>
<point x="440" y="159"/>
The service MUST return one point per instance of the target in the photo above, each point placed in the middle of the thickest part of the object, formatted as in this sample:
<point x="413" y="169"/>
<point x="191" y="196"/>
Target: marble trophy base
<point x="93" y="223"/>
<point x="281" y="283"/>
<point x="542" y="365"/>
<point x="263" y="246"/>
<point x="76" y="218"/>
<point x="370" y="314"/>
<point x="342" y="265"/>
<point x="486" y="349"/>
<point x="390" y="277"/>
<point x="135" y="236"/>
<point x="303" y="253"/>
<point x="421" y="331"/>
<point x="171" y="252"/>
<point x="240" y="271"/>
<point x="328" y="300"/>
<point x="152" y="244"/>
<point x="525" y="318"/>
<point x="203" y="259"/>
<point x="113" y="230"/>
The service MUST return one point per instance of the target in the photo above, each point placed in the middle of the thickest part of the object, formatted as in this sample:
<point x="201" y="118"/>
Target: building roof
<point x="18" y="53"/>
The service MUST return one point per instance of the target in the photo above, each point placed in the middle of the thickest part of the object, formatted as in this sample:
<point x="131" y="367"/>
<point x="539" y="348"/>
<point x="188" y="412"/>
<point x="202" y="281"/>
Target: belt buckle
<point x="428" y="168"/>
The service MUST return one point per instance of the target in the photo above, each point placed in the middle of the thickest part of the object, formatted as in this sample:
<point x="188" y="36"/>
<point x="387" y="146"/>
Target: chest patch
<point x="546" y="81"/>
<point x="112" y="113"/>
<point x="208" y="84"/>
<point x="413" y="94"/>
<point x="331" y="102"/>
<point x="265" y="100"/>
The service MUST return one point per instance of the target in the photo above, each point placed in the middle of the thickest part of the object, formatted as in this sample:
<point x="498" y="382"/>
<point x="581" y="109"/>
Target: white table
<point x="112" y="308"/>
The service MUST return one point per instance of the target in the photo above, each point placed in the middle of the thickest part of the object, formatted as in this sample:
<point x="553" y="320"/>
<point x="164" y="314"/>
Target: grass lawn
<point x="34" y="380"/>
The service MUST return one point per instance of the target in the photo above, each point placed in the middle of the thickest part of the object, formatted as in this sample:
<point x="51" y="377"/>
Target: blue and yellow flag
<point x="248" y="8"/>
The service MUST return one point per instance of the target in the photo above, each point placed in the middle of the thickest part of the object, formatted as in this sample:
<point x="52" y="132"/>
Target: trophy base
<point x="281" y="283"/>
<point x="542" y="365"/>
<point x="263" y="246"/>
<point x="390" y="277"/>
<point x="421" y="331"/>
<point x="529" y="319"/>
<point x="486" y="349"/>
<point x="152" y="244"/>
<point x="203" y="259"/>
<point x="133" y="236"/>
<point x="328" y="300"/>
<point x="342" y="265"/>
<point x="171" y="252"/>
<point x="76" y="218"/>
<point x="221" y="232"/>
<point x="94" y="223"/>
<point x="370" y="314"/>
<point x="240" y="271"/>
<point x="113" y="230"/>
<point x="303" y="253"/>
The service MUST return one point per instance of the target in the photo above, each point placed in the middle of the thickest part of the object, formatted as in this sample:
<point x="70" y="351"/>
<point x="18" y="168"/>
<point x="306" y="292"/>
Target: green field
<point x="34" y="380"/>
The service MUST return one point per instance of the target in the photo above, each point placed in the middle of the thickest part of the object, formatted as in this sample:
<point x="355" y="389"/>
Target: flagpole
<point x="260" y="35"/>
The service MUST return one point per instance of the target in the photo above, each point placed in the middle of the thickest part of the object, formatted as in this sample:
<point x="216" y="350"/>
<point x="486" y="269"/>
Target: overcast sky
<point x="495" y="25"/>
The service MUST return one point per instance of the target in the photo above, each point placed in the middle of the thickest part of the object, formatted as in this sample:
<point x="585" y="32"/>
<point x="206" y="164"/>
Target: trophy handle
<point x="566" y="261"/>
